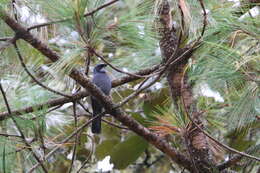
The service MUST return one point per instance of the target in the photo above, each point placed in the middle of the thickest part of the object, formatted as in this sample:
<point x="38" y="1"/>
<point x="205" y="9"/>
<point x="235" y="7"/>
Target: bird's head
<point x="100" y="68"/>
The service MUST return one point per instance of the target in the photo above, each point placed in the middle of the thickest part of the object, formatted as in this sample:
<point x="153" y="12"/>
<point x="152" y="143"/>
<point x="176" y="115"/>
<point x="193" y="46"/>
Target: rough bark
<point x="196" y="141"/>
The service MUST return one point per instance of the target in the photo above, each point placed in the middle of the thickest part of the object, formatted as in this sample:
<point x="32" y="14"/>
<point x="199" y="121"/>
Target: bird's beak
<point x="103" y="68"/>
<point x="104" y="65"/>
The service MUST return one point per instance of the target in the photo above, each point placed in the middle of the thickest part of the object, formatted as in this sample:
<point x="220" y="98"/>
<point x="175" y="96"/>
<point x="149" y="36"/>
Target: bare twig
<point x="134" y="94"/>
<point x="104" y="120"/>
<point x="87" y="64"/>
<point x="76" y="138"/>
<point x="156" y="160"/>
<point x="232" y="161"/>
<point x="14" y="10"/>
<point x="9" y="135"/>
<point x="83" y="106"/>
<point x="5" y="38"/>
<point x="90" y="154"/>
<point x="8" y="43"/>
<point x="100" y="7"/>
<point x="182" y="16"/>
<point x="48" y="23"/>
<point x="170" y="62"/>
<point x="204" y="18"/>
<point x="115" y="125"/>
<point x="142" y="83"/>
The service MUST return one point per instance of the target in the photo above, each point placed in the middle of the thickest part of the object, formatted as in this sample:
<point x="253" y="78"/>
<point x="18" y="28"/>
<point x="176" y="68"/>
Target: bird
<point x="103" y="82"/>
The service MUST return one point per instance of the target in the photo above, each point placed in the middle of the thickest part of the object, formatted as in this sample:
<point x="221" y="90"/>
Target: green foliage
<point x="105" y="148"/>
<point x="4" y="155"/>
<point x="122" y="153"/>
<point x="124" y="33"/>
<point x="132" y="147"/>
<point x="7" y="155"/>
<point x="244" y="108"/>
<point x="227" y="62"/>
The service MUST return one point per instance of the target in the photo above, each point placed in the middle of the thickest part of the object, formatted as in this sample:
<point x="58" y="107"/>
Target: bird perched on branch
<point x="101" y="80"/>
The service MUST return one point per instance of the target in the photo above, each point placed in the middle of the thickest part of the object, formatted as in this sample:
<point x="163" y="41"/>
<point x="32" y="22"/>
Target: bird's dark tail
<point x="96" y="123"/>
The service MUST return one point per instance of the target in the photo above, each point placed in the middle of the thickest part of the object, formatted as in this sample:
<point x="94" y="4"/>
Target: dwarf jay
<point x="101" y="80"/>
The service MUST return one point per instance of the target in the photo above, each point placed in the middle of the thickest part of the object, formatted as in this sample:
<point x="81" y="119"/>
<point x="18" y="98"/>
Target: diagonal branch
<point x="106" y="101"/>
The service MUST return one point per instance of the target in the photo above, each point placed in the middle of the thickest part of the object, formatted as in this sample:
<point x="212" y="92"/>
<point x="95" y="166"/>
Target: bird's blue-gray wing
<point x="103" y="82"/>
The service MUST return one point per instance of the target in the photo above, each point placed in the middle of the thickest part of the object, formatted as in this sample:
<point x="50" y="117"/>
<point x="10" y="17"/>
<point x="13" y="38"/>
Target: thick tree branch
<point x="196" y="141"/>
<point x="7" y="43"/>
<point x="5" y="38"/>
<point x="106" y="101"/>
<point x="9" y="135"/>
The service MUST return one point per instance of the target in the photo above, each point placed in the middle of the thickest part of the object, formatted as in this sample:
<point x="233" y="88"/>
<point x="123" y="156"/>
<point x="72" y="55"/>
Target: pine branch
<point x="106" y="101"/>
<point x="28" y="145"/>
<point x="64" y="20"/>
